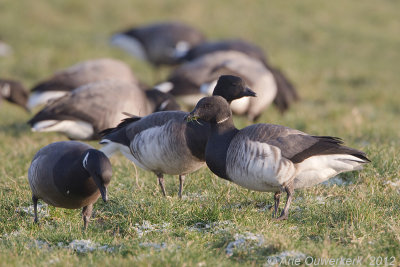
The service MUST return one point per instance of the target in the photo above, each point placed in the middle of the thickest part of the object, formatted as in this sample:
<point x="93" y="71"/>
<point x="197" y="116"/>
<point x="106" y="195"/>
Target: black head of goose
<point x="159" y="43"/>
<point x="14" y="92"/>
<point x="69" y="175"/>
<point x="195" y="79"/>
<point x="66" y="80"/>
<point x="270" y="158"/>
<point x="89" y="109"/>
<point x="163" y="142"/>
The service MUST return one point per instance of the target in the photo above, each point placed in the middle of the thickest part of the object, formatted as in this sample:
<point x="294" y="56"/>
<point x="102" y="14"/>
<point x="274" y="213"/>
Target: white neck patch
<point x="84" y="162"/>
<point x="223" y="120"/>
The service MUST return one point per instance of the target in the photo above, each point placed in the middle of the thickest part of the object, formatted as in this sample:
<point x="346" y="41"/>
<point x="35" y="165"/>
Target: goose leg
<point x="285" y="213"/>
<point x="35" y="201"/>
<point x="181" y="181"/>
<point x="86" y="213"/>
<point x="277" y="198"/>
<point x="161" y="183"/>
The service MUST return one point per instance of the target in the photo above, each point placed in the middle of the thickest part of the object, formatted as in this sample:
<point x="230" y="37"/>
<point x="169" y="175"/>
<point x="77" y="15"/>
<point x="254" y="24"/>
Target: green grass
<point x="343" y="57"/>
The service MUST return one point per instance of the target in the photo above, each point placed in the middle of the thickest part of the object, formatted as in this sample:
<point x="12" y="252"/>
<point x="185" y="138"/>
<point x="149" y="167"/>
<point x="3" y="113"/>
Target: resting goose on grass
<point x="286" y="92"/>
<point x="270" y="158"/>
<point x="163" y="142"/>
<point x="195" y="79"/>
<point x="14" y="92"/>
<point x="159" y="43"/>
<point x="66" y="80"/>
<point x="89" y="109"/>
<point x="69" y="175"/>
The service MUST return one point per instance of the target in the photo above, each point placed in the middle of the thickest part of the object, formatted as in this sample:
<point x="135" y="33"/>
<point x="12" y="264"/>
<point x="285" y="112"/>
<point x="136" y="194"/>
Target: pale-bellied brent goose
<point x="270" y="158"/>
<point x="159" y="43"/>
<point x="89" y="109"/>
<point x="163" y="143"/>
<point x="195" y="79"/>
<point x="286" y="92"/>
<point x="70" y="175"/>
<point x="82" y="73"/>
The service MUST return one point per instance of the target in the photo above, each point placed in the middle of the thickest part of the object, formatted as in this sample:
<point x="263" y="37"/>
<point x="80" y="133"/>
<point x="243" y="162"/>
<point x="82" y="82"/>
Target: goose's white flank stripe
<point x="130" y="45"/>
<point x="73" y="129"/>
<point x="164" y="87"/>
<point x="39" y="98"/>
<point x="181" y="49"/>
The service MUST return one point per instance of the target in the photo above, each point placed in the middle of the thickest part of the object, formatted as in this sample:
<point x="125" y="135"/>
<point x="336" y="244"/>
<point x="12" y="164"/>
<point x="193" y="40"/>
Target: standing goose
<point x="69" y="175"/>
<point x="77" y="75"/>
<point x="196" y="79"/>
<point x="159" y="43"/>
<point x="89" y="109"/>
<point x="163" y="142"/>
<point x="13" y="92"/>
<point x="270" y="158"/>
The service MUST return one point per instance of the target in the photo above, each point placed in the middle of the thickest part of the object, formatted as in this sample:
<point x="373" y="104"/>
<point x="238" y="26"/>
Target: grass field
<point x="343" y="57"/>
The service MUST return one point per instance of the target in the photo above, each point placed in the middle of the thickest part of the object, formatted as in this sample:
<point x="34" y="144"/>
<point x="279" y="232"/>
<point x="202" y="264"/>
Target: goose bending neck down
<point x="69" y="175"/>
<point x="270" y="158"/>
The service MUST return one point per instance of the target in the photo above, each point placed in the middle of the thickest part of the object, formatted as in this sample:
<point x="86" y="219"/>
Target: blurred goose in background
<point x="14" y="92"/>
<point x="89" y="109"/>
<point x="193" y="80"/>
<point x="270" y="158"/>
<point x="77" y="75"/>
<point x="163" y="142"/>
<point x="160" y="43"/>
<point x="286" y="92"/>
<point x="69" y="175"/>
<point x="239" y="45"/>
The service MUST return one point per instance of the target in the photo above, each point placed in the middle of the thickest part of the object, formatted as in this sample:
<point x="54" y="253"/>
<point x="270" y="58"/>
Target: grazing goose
<point x="163" y="143"/>
<point x="159" y="43"/>
<point x="270" y="158"/>
<point x="196" y="79"/>
<point x="77" y="75"/>
<point x="69" y="175"/>
<point x="13" y="92"/>
<point x="89" y="109"/>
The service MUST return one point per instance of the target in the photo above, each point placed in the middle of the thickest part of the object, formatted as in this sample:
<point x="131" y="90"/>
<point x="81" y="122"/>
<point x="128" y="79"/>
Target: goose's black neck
<point x="217" y="146"/>
<point x="71" y="178"/>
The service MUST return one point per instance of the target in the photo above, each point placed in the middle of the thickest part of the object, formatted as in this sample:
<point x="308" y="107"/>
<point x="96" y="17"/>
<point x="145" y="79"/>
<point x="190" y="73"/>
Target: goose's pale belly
<point x="258" y="166"/>
<point x="161" y="150"/>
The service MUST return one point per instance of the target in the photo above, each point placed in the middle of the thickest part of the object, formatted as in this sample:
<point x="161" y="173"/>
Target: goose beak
<point x="249" y="92"/>
<point x="191" y="117"/>
<point x="103" y="192"/>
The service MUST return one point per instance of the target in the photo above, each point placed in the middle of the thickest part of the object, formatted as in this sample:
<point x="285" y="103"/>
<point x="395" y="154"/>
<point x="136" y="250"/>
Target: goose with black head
<point x="163" y="142"/>
<point x="69" y="175"/>
<point x="268" y="157"/>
